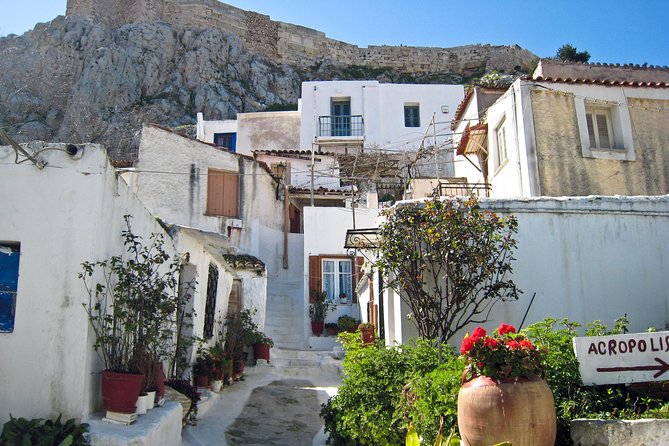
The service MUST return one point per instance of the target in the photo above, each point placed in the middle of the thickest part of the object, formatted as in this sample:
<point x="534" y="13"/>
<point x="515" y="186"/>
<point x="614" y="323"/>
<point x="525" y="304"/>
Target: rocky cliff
<point x="75" y="80"/>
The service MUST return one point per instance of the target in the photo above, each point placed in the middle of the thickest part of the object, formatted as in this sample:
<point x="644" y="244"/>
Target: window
<point x="411" y="115"/>
<point x="341" y="116"/>
<point x="210" y="306"/>
<point x="501" y="153"/>
<point x="222" y="193"/>
<point x="605" y="128"/>
<point x="335" y="275"/>
<point x="9" y="277"/>
<point x="600" y="130"/>
<point x="337" y="278"/>
<point x="226" y="140"/>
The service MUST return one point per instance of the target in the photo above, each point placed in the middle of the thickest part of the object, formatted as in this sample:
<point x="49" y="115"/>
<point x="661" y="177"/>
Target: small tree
<point x="449" y="261"/>
<point x="568" y="53"/>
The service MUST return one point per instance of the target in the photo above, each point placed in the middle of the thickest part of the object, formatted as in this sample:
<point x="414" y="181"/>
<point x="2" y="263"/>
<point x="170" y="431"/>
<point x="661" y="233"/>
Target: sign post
<point x="622" y="359"/>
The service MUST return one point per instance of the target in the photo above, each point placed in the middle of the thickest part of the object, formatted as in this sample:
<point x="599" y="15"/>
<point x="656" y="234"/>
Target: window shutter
<point x="591" y="130"/>
<point x="222" y="193"/>
<point x="314" y="275"/>
<point x="603" y="131"/>
<point x="356" y="277"/>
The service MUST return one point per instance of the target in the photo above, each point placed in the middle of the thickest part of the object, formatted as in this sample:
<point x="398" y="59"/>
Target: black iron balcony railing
<point x="462" y="189"/>
<point x="347" y="125"/>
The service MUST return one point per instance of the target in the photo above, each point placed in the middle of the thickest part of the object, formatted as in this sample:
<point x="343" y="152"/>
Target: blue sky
<point x="612" y="31"/>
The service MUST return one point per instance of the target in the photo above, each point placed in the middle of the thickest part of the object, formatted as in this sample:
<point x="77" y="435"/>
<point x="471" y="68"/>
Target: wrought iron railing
<point x="347" y="125"/>
<point x="462" y="189"/>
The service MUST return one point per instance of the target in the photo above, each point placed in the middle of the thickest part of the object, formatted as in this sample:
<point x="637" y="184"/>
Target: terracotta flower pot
<point x="261" y="351"/>
<point x="201" y="380"/>
<point x="520" y="411"/>
<point x="368" y="335"/>
<point x="317" y="327"/>
<point x="120" y="391"/>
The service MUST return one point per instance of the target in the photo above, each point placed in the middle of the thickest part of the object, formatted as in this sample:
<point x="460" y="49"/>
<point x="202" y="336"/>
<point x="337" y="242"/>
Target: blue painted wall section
<point x="9" y="277"/>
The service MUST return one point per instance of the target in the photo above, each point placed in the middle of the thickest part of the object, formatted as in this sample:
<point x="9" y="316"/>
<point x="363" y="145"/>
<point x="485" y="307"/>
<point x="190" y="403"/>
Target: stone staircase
<point x="293" y="362"/>
<point x="284" y="319"/>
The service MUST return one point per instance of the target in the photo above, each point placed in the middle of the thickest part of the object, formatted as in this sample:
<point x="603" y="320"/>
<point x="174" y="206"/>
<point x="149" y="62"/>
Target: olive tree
<point x="449" y="260"/>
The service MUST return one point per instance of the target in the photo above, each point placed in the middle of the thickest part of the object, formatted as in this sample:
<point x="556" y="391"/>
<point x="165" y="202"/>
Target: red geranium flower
<point x="506" y="328"/>
<point x="467" y="344"/>
<point x="491" y="343"/>
<point x="479" y="332"/>
<point x="526" y="343"/>
<point x="512" y="345"/>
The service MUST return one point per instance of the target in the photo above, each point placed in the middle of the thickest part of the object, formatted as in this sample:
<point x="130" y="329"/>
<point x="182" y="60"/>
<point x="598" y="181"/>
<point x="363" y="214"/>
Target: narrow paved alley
<point x="267" y="408"/>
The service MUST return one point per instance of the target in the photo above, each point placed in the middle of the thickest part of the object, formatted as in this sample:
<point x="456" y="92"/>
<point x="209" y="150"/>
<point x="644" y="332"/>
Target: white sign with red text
<point x="628" y="358"/>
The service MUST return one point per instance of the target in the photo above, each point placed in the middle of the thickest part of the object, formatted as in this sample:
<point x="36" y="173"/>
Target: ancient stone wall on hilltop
<point x="298" y="45"/>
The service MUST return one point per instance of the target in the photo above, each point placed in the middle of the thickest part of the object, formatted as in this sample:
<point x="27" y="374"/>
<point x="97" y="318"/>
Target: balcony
<point x="340" y="128"/>
<point x="462" y="189"/>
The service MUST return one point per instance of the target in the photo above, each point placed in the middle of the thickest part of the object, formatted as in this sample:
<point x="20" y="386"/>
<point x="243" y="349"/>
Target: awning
<point x="474" y="140"/>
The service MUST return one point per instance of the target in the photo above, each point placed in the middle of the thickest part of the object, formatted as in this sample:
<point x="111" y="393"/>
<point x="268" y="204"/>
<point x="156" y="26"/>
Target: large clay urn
<point x="520" y="411"/>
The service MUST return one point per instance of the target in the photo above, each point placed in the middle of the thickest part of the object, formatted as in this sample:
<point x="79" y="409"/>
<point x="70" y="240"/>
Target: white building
<point x="54" y="219"/>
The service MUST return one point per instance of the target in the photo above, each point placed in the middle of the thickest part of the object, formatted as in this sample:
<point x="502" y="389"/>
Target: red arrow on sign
<point x="661" y="368"/>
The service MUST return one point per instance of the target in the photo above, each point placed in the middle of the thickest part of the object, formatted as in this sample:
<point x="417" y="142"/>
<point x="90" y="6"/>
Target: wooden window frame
<point x="316" y="272"/>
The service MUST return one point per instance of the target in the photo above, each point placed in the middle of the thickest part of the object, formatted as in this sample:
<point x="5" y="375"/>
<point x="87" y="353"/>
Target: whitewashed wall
<point x="382" y="108"/>
<point x="67" y="213"/>
<point x="325" y="233"/>
<point x="205" y="130"/>
<point x="180" y="196"/>
<point x="586" y="258"/>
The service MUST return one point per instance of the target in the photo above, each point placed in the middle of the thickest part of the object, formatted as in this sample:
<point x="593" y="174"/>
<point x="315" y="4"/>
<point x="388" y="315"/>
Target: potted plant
<point x="503" y="396"/>
<point x="318" y="310"/>
<point x="261" y="345"/>
<point x="348" y="323"/>
<point x="332" y="328"/>
<point x="367" y="331"/>
<point x="132" y="302"/>
<point x="202" y="369"/>
<point x="240" y="329"/>
<point x="343" y="298"/>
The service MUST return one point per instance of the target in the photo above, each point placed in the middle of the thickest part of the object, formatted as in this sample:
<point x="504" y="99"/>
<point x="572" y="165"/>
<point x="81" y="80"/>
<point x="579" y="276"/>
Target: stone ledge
<point x="618" y="432"/>
<point x="161" y="426"/>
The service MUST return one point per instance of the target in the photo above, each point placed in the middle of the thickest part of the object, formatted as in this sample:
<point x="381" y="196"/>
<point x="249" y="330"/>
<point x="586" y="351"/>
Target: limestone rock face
<point x="72" y="80"/>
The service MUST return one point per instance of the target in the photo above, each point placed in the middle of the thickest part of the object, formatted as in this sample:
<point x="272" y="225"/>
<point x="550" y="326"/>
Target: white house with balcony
<point x="353" y="116"/>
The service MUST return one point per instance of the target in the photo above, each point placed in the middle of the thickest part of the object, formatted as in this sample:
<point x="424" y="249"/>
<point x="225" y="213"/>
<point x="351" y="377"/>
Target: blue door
<point x="9" y="277"/>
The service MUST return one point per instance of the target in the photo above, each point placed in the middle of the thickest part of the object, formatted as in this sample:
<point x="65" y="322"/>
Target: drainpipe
<point x="286" y="224"/>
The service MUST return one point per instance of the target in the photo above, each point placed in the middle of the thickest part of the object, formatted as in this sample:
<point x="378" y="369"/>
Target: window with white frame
<point x="600" y="129"/>
<point x="605" y="128"/>
<point x="501" y="153"/>
<point x="337" y="274"/>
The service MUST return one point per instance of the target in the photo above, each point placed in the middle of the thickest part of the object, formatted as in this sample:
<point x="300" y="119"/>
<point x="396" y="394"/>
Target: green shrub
<point x="431" y="396"/>
<point x="21" y="431"/>
<point x="365" y="410"/>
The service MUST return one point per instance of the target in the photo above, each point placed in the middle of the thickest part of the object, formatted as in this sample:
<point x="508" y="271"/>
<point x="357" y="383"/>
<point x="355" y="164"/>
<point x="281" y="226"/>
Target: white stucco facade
<point x="69" y="212"/>
<point x="381" y="108"/>
<point x="586" y="258"/>
<point x="324" y="235"/>
<point x="205" y="130"/>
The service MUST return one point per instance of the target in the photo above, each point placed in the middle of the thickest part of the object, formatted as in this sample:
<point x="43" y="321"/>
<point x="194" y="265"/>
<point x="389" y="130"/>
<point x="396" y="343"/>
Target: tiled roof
<point x="244" y="261"/>
<point x="320" y="190"/>
<point x="290" y="152"/>
<point x="612" y="83"/>
<point x="459" y="112"/>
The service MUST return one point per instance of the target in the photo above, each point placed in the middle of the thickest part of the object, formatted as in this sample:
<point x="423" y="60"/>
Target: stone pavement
<point x="267" y="408"/>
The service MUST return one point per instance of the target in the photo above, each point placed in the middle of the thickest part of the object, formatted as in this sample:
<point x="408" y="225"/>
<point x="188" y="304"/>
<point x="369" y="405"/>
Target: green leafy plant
<point x="504" y="354"/>
<point x="133" y="302"/>
<point x="364" y="411"/>
<point x="320" y="307"/>
<point x="449" y="260"/>
<point x="21" y="431"/>
<point x="240" y="332"/>
<point x="347" y="323"/>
